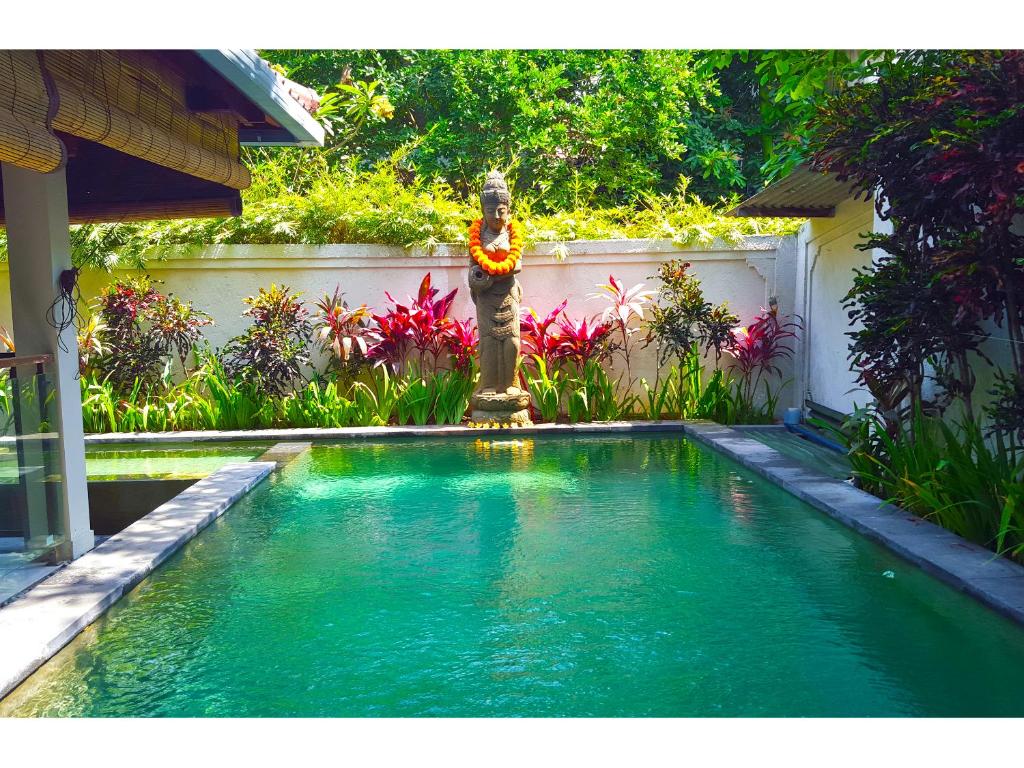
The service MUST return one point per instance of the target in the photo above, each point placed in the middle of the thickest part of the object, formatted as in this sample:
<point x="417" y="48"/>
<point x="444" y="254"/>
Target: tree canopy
<point x="602" y="127"/>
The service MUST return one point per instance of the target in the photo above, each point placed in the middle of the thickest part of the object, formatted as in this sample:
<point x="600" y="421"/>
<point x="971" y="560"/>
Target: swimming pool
<point x="590" y="576"/>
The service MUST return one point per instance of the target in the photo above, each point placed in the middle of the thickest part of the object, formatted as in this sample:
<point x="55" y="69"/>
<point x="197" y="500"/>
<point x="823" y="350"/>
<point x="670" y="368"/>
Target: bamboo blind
<point x="26" y="139"/>
<point x="147" y="210"/>
<point x="128" y="101"/>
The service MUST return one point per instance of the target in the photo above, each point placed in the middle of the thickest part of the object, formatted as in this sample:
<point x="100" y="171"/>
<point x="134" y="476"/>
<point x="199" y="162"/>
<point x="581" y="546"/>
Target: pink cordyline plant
<point x="421" y="323"/>
<point x="625" y="306"/>
<point x="759" y="348"/>
<point x="582" y="340"/>
<point x="340" y="328"/>
<point x="460" y="339"/>
<point x="535" y="336"/>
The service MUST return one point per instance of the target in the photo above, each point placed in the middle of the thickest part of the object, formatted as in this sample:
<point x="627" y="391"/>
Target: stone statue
<point x="495" y="252"/>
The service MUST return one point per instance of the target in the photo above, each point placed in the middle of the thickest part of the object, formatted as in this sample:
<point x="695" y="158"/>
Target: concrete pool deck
<point x="48" y="616"/>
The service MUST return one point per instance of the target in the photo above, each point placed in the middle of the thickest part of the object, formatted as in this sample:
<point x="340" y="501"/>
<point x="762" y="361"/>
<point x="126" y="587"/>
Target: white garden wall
<point x="218" y="278"/>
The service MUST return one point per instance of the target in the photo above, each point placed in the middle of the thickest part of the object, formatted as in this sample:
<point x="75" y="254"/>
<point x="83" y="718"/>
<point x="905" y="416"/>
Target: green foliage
<point x="547" y="387"/>
<point x="343" y="205"/>
<point x="595" y="143"/>
<point x="210" y="398"/>
<point x="682" y="317"/>
<point x="937" y="140"/>
<point x="590" y="394"/>
<point x="610" y="123"/>
<point x="773" y="96"/>
<point x="452" y="390"/>
<point x="270" y="354"/>
<point x="417" y="400"/>
<point x="945" y="473"/>
<point x="316" y="406"/>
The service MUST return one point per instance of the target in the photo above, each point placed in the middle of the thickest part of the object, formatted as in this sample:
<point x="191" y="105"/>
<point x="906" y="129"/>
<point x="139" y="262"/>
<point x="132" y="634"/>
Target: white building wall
<point x="826" y="258"/>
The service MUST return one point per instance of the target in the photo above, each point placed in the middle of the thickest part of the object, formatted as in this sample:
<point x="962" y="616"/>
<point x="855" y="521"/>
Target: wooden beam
<point x="146" y="210"/>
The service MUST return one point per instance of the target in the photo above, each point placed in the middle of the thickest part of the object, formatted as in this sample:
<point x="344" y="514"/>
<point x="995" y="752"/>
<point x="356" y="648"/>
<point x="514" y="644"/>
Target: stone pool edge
<point x="48" y="616"/>
<point x="373" y="433"/>
<point x="990" y="579"/>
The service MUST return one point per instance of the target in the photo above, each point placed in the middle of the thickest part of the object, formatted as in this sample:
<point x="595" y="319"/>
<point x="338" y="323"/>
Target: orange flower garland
<point x="501" y="262"/>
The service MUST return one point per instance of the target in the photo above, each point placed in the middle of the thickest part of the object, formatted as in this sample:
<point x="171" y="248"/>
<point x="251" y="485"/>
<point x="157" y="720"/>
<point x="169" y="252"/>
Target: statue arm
<point x="479" y="280"/>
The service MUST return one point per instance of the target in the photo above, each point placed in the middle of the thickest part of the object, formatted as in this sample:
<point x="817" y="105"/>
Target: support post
<point x="39" y="249"/>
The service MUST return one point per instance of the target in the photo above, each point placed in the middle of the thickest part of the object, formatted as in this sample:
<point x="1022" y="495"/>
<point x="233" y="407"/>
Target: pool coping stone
<point x="47" y="617"/>
<point x="374" y="433"/>
<point x="995" y="581"/>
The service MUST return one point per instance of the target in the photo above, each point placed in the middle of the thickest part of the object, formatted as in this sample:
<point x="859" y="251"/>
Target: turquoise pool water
<point x="582" y="577"/>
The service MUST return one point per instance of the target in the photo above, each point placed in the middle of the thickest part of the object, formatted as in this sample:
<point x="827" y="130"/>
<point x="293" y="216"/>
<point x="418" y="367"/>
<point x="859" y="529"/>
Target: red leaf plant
<point x="534" y="336"/>
<point x="460" y="340"/>
<point x="759" y="348"/>
<point x="582" y="340"/>
<point x="421" y="324"/>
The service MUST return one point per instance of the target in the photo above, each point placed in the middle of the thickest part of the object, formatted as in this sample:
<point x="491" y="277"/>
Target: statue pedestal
<point x="501" y="408"/>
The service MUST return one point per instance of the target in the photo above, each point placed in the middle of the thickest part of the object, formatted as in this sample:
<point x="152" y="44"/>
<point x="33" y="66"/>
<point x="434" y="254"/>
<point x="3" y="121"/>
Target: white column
<point x="36" y="210"/>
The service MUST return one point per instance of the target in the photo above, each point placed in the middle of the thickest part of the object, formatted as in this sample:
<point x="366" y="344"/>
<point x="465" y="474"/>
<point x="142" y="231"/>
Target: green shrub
<point x="345" y="205"/>
<point x="270" y="355"/>
<point x="948" y="474"/>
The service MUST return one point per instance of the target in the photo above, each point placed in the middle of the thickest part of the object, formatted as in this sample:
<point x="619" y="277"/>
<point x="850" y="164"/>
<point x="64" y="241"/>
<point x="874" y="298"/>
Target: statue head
<point x="495" y="201"/>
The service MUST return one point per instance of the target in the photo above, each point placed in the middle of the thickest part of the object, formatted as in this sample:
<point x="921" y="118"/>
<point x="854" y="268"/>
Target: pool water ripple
<point x="581" y="577"/>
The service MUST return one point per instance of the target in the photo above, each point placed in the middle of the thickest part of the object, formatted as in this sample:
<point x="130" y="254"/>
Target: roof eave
<point x="804" y="194"/>
<point x="254" y="79"/>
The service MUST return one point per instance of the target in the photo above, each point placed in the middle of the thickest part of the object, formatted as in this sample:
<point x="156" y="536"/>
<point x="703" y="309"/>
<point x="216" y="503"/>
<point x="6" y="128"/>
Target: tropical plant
<point x="6" y="339"/>
<point x="655" y="399"/>
<point x="1007" y="409"/>
<point x="460" y="339"/>
<point x="682" y="316"/>
<point x="758" y="349"/>
<point x="452" y="390"/>
<point x="422" y="324"/>
<point x="947" y="473"/>
<point x="601" y="391"/>
<point x="936" y="139"/>
<point x="135" y="331"/>
<point x="90" y="341"/>
<point x="376" y="397"/>
<point x="417" y="399"/>
<point x="315" y="406"/>
<point x="535" y="338"/>
<point x="174" y="327"/>
<point x="624" y="312"/>
<point x="580" y="341"/>
<point x="341" y="331"/>
<point x="547" y="387"/>
<point x="270" y="354"/>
